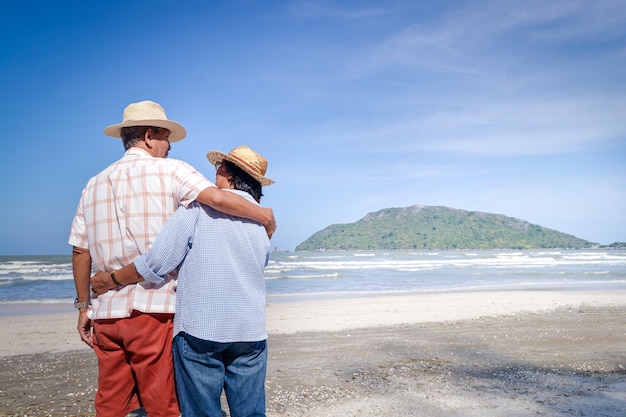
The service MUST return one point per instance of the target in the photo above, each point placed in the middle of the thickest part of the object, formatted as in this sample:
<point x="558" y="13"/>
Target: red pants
<point x="135" y="366"/>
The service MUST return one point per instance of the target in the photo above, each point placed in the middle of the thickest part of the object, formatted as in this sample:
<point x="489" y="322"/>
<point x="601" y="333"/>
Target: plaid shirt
<point x="119" y="214"/>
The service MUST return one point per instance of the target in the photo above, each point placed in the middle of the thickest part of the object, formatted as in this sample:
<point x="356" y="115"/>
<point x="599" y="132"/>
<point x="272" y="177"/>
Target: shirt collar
<point x="243" y="194"/>
<point x="137" y="151"/>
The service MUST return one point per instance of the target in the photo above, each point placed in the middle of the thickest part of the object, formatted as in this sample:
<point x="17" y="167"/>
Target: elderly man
<point x="219" y="327"/>
<point x="120" y="212"/>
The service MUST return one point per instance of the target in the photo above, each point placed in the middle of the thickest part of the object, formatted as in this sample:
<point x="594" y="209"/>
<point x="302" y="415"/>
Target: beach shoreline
<point x="479" y="353"/>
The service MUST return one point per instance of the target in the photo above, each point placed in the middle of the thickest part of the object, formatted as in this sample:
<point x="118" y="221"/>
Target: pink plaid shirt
<point x="119" y="214"/>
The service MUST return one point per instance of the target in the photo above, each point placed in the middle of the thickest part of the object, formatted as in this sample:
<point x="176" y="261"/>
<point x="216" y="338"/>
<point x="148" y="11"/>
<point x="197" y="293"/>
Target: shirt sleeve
<point x="78" y="231"/>
<point x="190" y="182"/>
<point x="170" y="246"/>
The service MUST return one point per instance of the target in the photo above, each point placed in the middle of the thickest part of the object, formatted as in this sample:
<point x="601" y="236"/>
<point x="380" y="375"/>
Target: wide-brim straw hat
<point x="147" y="113"/>
<point x="246" y="159"/>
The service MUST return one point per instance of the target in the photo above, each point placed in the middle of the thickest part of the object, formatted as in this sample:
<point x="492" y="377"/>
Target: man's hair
<point x="242" y="181"/>
<point x="131" y="135"/>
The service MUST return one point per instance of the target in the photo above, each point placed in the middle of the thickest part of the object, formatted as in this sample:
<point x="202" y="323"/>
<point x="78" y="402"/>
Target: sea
<point x="293" y="276"/>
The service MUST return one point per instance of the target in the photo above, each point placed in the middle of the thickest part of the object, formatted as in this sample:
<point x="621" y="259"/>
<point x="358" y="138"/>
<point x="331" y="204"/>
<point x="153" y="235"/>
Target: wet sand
<point x="505" y="353"/>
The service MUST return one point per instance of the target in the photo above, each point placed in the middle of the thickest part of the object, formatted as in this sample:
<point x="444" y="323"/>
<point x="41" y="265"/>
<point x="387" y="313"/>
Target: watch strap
<point x="83" y="304"/>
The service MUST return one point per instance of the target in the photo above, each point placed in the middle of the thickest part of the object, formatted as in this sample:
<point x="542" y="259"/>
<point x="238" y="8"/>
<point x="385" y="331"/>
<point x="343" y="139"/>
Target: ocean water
<point x="293" y="275"/>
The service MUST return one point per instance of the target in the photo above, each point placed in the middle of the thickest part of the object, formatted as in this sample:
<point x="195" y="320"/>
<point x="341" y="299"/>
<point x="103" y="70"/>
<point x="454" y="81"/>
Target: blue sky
<point x="516" y="108"/>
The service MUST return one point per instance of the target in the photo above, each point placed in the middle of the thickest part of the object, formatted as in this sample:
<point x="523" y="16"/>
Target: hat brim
<point x="217" y="156"/>
<point x="177" y="131"/>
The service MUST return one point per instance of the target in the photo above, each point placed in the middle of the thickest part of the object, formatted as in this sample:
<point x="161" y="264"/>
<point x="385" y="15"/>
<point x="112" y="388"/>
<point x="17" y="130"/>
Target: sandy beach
<point x="492" y="353"/>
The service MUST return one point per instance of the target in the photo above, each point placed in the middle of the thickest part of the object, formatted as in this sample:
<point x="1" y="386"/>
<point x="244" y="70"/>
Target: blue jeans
<point x="202" y="368"/>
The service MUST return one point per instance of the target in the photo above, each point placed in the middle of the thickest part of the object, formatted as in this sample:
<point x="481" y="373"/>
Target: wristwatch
<point x="84" y="304"/>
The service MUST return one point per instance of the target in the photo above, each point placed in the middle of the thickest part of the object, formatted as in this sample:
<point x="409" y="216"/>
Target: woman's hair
<point x="133" y="134"/>
<point x="242" y="181"/>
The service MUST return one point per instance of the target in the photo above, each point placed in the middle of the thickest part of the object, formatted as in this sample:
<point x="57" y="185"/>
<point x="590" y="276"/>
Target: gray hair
<point x="131" y="135"/>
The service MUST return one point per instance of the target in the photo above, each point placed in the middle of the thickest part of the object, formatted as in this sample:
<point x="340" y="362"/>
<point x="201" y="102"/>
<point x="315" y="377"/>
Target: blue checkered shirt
<point x="220" y="260"/>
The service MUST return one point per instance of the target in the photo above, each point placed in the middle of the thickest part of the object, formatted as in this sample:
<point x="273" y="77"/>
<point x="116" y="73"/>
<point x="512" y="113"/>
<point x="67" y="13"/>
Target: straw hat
<point x="246" y="159"/>
<point x="147" y="113"/>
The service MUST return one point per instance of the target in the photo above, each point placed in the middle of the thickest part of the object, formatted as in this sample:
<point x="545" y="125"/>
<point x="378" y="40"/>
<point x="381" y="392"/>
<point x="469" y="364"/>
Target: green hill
<point x="432" y="227"/>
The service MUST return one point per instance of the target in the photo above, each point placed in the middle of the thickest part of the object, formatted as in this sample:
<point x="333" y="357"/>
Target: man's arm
<point x="235" y="205"/>
<point x="81" y="268"/>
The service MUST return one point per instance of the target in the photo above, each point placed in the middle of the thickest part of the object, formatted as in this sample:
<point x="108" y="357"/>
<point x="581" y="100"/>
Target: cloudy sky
<point x="516" y="108"/>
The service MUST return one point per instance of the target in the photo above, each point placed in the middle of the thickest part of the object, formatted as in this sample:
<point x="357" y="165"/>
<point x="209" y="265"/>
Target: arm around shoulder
<point x="235" y="205"/>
